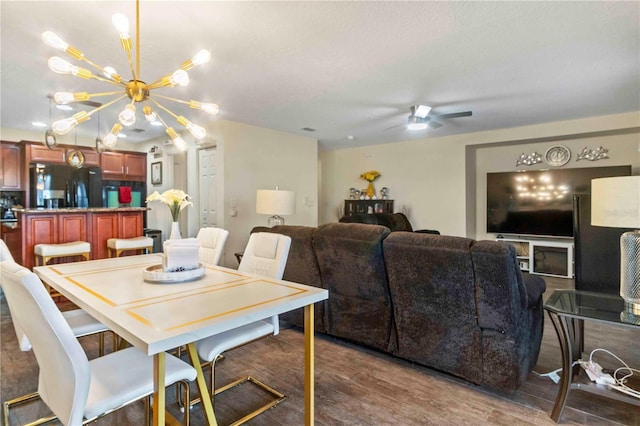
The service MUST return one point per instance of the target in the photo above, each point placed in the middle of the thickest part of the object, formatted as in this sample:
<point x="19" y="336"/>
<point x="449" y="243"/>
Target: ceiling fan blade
<point x="93" y="104"/>
<point x="434" y="124"/>
<point x="393" y="127"/>
<point x="454" y="115"/>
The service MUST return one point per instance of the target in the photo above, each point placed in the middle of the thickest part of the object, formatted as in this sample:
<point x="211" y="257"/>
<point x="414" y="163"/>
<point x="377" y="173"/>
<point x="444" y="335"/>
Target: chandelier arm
<point x="171" y="99"/>
<point x="161" y="82"/>
<point x="163" y="108"/>
<point x="106" y="80"/>
<point x="133" y="71"/>
<point x="137" y="39"/>
<point x="103" y="106"/>
<point x="160" y="118"/>
<point x="102" y="70"/>
<point x="192" y="103"/>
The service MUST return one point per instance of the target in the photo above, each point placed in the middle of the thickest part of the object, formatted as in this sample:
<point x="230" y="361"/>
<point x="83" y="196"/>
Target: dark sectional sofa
<point x="453" y="304"/>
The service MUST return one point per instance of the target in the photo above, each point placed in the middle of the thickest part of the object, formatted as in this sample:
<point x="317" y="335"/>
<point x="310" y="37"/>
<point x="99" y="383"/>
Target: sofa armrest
<point x="535" y="286"/>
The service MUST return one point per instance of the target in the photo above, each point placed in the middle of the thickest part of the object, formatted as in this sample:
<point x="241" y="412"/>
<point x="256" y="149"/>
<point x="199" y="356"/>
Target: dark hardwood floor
<point x="356" y="386"/>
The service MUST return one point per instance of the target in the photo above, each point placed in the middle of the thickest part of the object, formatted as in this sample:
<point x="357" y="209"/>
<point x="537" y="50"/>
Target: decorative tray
<point x="156" y="274"/>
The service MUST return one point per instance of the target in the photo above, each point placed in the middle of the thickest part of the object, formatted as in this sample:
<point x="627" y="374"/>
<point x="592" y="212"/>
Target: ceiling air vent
<point x="308" y="129"/>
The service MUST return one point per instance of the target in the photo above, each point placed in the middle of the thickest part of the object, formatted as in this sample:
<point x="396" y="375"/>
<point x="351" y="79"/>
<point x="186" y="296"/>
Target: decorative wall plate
<point x="557" y="155"/>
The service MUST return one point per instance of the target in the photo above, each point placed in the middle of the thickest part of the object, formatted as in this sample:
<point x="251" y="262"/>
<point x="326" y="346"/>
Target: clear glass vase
<point x="175" y="231"/>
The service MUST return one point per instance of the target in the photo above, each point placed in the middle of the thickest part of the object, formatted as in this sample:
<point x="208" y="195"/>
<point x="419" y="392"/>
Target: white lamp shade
<point x="615" y="202"/>
<point x="275" y="202"/>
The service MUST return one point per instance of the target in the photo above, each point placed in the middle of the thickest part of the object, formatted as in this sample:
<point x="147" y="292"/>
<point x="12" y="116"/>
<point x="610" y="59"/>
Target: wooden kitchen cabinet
<point x="124" y="166"/>
<point x="38" y="153"/>
<point x="103" y="227"/>
<point x="10" y="166"/>
<point x="96" y="226"/>
<point x="11" y="234"/>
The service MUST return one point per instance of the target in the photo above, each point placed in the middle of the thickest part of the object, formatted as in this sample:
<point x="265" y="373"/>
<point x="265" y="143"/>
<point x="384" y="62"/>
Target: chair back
<point x="64" y="368"/>
<point x="212" y="242"/>
<point x="5" y="254"/>
<point x="266" y="254"/>
<point x="23" y="342"/>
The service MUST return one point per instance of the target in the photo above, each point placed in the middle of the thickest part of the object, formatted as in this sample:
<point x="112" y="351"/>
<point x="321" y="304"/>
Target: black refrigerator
<point x="59" y="186"/>
<point x="597" y="250"/>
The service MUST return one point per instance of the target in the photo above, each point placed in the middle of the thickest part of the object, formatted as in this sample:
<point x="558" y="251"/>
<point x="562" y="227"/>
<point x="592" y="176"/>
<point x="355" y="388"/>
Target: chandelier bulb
<point x="149" y="114"/>
<point x="180" y="143"/>
<point x="128" y="115"/>
<point x="64" y="126"/>
<point x="110" y="140"/>
<point x="60" y="66"/>
<point x="198" y="132"/>
<point x="51" y="39"/>
<point x="111" y="73"/>
<point x="202" y="57"/>
<point x="206" y="107"/>
<point x="121" y="22"/>
<point x="63" y="97"/>
<point x="179" y="78"/>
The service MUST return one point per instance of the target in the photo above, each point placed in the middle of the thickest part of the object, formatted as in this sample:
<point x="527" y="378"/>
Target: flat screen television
<point x="539" y="202"/>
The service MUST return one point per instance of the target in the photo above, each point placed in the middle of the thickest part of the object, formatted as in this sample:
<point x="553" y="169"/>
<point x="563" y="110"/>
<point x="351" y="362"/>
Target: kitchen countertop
<point x="81" y="210"/>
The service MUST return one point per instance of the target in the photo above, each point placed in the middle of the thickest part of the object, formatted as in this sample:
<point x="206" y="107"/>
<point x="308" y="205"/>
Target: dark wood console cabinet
<point x="352" y="207"/>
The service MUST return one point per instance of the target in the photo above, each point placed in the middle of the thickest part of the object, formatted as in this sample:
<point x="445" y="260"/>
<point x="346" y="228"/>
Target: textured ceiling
<point x="341" y="68"/>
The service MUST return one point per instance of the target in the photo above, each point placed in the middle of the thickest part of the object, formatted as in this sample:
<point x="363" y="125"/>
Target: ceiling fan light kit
<point x="419" y="119"/>
<point x="135" y="89"/>
<point x="417" y="123"/>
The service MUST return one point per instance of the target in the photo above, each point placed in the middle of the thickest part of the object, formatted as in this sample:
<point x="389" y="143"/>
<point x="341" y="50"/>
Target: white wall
<point x="250" y="158"/>
<point x="438" y="181"/>
<point x="257" y="158"/>
<point x="425" y="179"/>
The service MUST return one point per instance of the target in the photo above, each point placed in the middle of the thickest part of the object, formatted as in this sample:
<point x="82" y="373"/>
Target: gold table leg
<point x="158" y="389"/>
<point x="202" y="385"/>
<point x="308" y="366"/>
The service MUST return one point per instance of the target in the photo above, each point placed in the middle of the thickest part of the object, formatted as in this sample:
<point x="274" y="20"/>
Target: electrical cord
<point x="595" y="373"/>
<point x="619" y="383"/>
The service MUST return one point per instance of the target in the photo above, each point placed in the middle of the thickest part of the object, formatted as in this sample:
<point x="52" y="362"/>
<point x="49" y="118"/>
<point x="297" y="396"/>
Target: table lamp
<point x="615" y="202"/>
<point x="276" y="203"/>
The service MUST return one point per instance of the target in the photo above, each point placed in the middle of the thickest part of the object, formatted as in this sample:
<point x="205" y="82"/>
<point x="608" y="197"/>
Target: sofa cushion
<point x="431" y="285"/>
<point x="511" y="321"/>
<point x="352" y="269"/>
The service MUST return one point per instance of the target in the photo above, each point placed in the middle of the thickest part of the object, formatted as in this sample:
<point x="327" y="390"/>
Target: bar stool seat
<point x="45" y="252"/>
<point x="119" y="245"/>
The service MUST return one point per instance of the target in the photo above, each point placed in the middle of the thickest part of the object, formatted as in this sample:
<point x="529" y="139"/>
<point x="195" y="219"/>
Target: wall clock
<point x="557" y="155"/>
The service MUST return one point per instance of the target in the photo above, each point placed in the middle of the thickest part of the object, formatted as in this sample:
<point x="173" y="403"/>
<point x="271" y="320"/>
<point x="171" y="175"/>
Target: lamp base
<point x="630" y="270"/>
<point x="275" y="220"/>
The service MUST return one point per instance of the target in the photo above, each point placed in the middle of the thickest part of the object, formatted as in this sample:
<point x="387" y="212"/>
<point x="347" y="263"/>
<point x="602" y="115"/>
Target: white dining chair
<point x="265" y="255"/>
<point x="212" y="241"/>
<point x="77" y="390"/>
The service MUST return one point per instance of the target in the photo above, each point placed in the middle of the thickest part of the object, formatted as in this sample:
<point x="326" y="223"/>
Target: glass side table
<point x="568" y="310"/>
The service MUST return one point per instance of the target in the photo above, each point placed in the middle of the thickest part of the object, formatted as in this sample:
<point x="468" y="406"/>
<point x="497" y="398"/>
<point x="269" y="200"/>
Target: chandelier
<point x="136" y="90"/>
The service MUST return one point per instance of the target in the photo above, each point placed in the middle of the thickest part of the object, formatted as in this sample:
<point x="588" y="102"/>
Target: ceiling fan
<point x="420" y="119"/>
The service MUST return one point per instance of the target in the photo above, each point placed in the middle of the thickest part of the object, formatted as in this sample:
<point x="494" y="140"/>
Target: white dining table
<point x="157" y="317"/>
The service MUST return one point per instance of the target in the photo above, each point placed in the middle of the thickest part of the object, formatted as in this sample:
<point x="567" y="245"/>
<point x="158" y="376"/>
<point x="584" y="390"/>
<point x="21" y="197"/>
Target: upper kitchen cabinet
<point x="10" y="166"/>
<point x="38" y="153"/>
<point x="124" y="166"/>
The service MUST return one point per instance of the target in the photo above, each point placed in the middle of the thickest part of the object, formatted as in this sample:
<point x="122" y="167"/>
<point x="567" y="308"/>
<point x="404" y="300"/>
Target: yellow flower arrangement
<point x="175" y="199"/>
<point x="370" y="176"/>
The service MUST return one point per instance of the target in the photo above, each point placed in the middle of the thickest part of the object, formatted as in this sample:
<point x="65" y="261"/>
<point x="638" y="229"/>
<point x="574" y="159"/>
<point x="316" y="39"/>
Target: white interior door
<point x="207" y="180"/>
